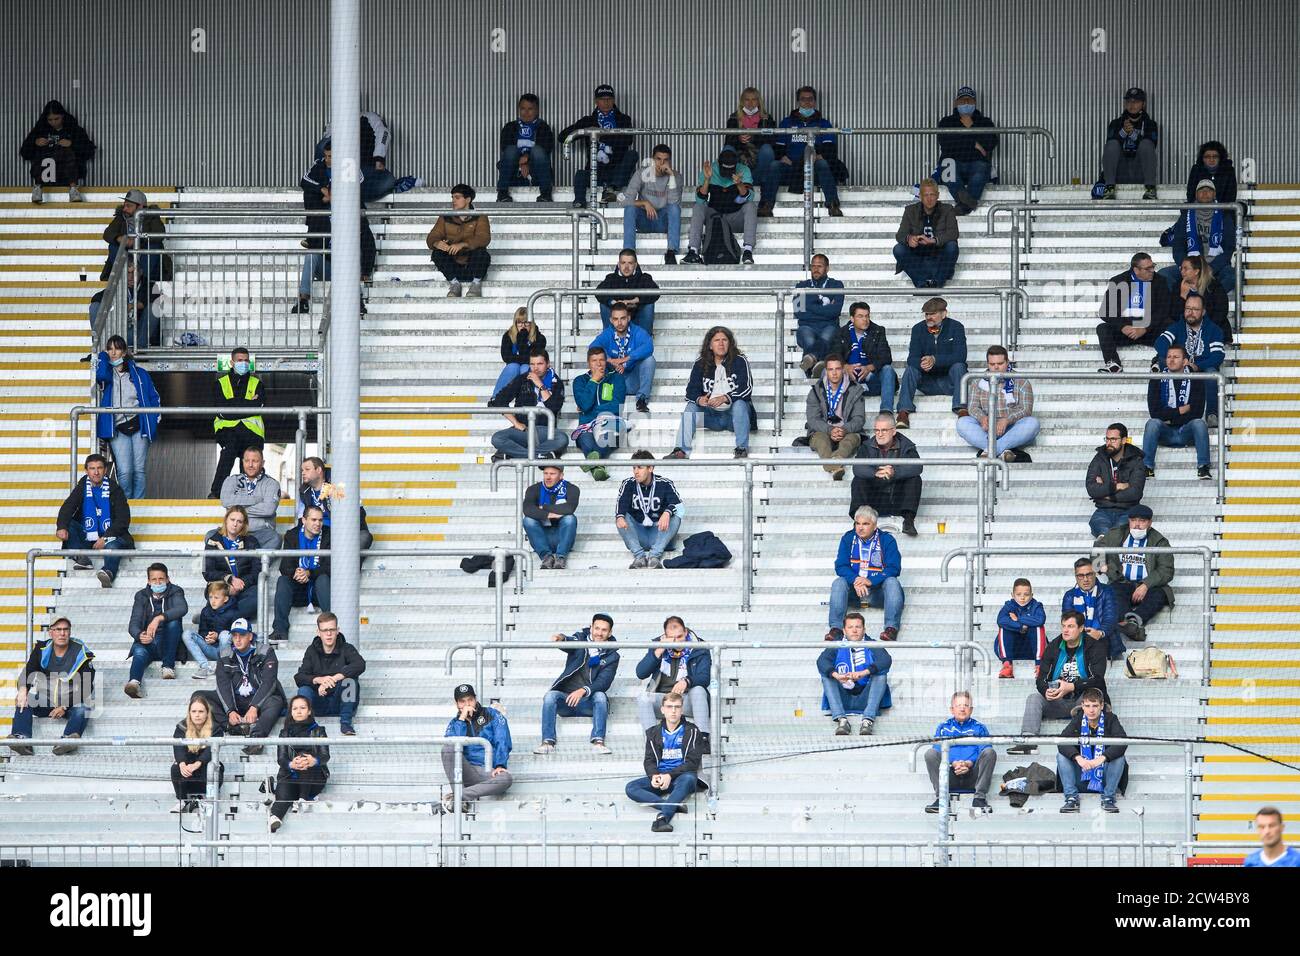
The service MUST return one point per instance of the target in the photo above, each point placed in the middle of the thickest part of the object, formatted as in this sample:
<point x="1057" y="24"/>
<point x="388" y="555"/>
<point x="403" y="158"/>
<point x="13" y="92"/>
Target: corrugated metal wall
<point x="248" y="110"/>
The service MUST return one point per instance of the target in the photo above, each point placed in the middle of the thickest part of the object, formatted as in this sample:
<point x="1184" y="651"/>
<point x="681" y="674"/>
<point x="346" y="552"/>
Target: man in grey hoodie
<point x="652" y="202"/>
<point x="258" y="494"/>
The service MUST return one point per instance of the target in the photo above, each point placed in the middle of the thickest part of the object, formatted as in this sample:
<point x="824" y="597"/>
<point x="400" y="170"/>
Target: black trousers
<point x="895" y="498"/>
<point x="453" y="271"/>
<point x="308" y="786"/>
<point x="1110" y="338"/>
<point x="1146" y="609"/>
<point x="197" y="784"/>
<point x="234" y="442"/>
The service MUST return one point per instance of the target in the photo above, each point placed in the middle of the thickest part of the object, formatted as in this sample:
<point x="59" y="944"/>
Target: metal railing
<point x="1029" y="209"/>
<point x="981" y="465"/>
<point x="1205" y="552"/>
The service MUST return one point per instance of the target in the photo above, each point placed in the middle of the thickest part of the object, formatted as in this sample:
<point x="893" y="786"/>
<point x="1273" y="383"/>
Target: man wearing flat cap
<point x="1139" y="579"/>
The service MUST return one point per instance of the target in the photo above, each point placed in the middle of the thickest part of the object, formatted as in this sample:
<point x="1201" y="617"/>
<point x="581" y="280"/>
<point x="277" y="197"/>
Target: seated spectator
<point x="674" y="667"/>
<point x="724" y="196"/>
<point x="756" y="150"/>
<point x="155" y="627"/>
<point x="1195" y="276"/>
<point x="1072" y="664"/>
<point x="239" y="389"/>
<point x="652" y="202"/>
<point x="550" y="517"/>
<point x="58" y="150"/>
<point x="1089" y="762"/>
<point x="303" y="580"/>
<point x="517" y="343"/>
<point x="124" y="384"/>
<point x="1095" y="602"/>
<point x="627" y="277"/>
<point x="853" y="678"/>
<point x="190" y="761"/>
<point x="95" y="515"/>
<point x="868" y="357"/>
<point x="248" y="687"/>
<point x="1130" y="154"/>
<point x="1022" y="630"/>
<point x="1010" y="412"/>
<point x="719" y="392"/>
<point x="835" y="416"/>
<point x="57" y="681"/>
<point x="1214" y="164"/>
<point x="970" y="766"/>
<point x="674" y="752"/>
<point x="527" y="145"/>
<point x="219" y="617"/>
<point x="615" y="157"/>
<point x="120" y="233"/>
<point x="818" y="315"/>
<point x="1272" y="851"/>
<point x="926" y="242"/>
<point x="648" y="513"/>
<point x="459" y="245"/>
<point x="630" y="350"/>
<point x="936" y="361"/>
<point x="328" y="675"/>
<point x="316" y="198"/>
<point x="1134" y="311"/>
<point x="1139" y="580"/>
<point x="887" y="484"/>
<point x="540" y="386"/>
<point x="1115" y="481"/>
<point x="1209" y="233"/>
<point x="140" y="297"/>
<point x="474" y="720"/>
<point x="1202" y="343"/>
<point x="258" y="494"/>
<point x="378" y="180"/>
<point x="582" y="689"/>
<point x="867" y="569"/>
<point x="239" y="572"/>
<point x="316" y="489"/>
<point x="599" y="393"/>
<point x="1177" y="409"/>
<point x="788" y="170"/>
<point x="303" y="768"/>
<point x="967" y="161"/>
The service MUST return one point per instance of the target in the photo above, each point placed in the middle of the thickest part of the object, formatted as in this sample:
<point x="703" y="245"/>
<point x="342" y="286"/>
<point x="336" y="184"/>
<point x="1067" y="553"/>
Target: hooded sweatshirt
<point x="70" y="159"/>
<point x="344" y="659"/>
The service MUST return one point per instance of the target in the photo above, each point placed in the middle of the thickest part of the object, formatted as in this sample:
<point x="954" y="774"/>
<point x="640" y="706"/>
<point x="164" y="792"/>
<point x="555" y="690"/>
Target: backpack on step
<point x="720" y="246"/>
<point x="1150" y="663"/>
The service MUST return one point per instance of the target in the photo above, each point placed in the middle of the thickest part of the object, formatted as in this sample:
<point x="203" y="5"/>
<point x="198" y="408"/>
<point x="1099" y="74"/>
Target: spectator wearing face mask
<point x="124" y="384"/>
<point x="755" y="147"/>
<point x="241" y="391"/>
<point x="966" y="161"/>
<point x="788" y="170"/>
<point x="615" y="157"/>
<point x="155" y="627"/>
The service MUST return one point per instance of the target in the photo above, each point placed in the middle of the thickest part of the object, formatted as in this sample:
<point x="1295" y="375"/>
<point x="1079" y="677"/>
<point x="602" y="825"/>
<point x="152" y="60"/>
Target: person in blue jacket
<point x="582" y="689"/>
<point x="599" y="394"/>
<point x="1022" y="629"/>
<point x="675" y="667"/>
<point x="1203" y="344"/>
<point x="1096" y="602"/>
<point x="474" y="720"/>
<point x="630" y="349"/>
<point x="124" y="383"/>
<point x="1211" y="233"/>
<point x="818" y="315"/>
<point x="853" y="678"/>
<point x="867" y="567"/>
<point x="936" y="361"/>
<point x="970" y="766"/>
<point x="1177" y="410"/>
<point x="1272" y="850"/>
<point x="789" y="166"/>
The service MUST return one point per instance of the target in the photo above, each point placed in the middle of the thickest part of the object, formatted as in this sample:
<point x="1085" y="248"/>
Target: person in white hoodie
<point x="652" y="202"/>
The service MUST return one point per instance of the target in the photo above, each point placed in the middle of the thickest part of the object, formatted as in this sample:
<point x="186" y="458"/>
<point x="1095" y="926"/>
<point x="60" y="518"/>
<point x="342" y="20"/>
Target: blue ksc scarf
<point x="868" y="555"/>
<point x="604" y="153"/>
<point x="559" y="494"/>
<point x="833" y="399"/>
<point x="1177" y="392"/>
<point x="1194" y="234"/>
<point x="1089" y="601"/>
<point x="1137" y="296"/>
<point x="856" y="355"/>
<point x="96" y="510"/>
<point x="231" y="544"/>
<point x="672" y="755"/>
<point x="308" y="544"/>
<point x="1095" y="776"/>
<point x="526" y="139"/>
<point x="854" y="658"/>
<point x="317" y="498"/>
<point x="548" y="384"/>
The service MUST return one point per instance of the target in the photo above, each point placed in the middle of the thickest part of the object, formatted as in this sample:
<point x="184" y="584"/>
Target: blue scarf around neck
<point x="558" y="494"/>
<point x="855" y="657"/>
<point x="96" y="509"/>
<point x="1097" y="775"/>
<point x="868" y="555"/>
<point x="1194" y="234"/>
<point x="308" y="544"/>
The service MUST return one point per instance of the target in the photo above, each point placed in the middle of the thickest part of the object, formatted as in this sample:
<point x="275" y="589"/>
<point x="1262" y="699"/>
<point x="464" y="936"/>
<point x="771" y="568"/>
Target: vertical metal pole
<point x="457" y="789"/>
<point x="212" y="795"/>
<point x="345" y="304"/>
<point x="74" y="420"/>
<point x="574" y="279"/>
<point x="263" y="570"/>
<point x="1015" y="265"/>
<point x="715" y="722"/>
<point x="1004" y="329"/>
<point x="1142" y="835"/>
<point x="968" y="600"/>
<point x="747" y="529"/>
<point x="778" y="370"/>
<point x="1207" y="573"/>
<point x="478" y="666"/>
<point x="532" y="432"/>
<point x="593" y="147"/>
<point x="993" y="381"/>
<point x="29" y="612"/>
<point x="1189" y="797"/>
<point x="945" y="747"/>
<point x="1239" y="266"/>
<point x="300" y="445"/>
<point x="557" y="304"/>
<point x="519" y="506"/>
<point x="808" y="200"/>
<point x="499" y="611"/>
<point x="1222" y="390"/>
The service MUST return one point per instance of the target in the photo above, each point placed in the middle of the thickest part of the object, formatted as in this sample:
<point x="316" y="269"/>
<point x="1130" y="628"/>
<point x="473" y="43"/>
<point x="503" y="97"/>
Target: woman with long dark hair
<point x="718" y="393"/>
<point x="303" y="770"/>
<point x="124" y="384"/>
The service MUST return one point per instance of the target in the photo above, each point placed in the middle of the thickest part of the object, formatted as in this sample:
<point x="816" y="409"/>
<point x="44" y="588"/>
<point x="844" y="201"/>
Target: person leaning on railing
<point x="96" y="515"/>
<point x="121" y="229"/>
<point x="239" y="390"/>
<point x="57" y="681"/>
<point x="615" y="157"/>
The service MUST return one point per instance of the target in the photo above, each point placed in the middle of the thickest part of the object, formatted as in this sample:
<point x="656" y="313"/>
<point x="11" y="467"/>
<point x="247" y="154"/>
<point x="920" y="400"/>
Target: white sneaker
<point x="168" y="673"/>
<point x="180" y="807"/>
<point x="273" y="824"/>
<point x="600" y="748"/>
<point x="203" y="673"/>
<point x="544" y="748"/>
<point x="132" y="689"/>
<point x="38" y="194"/>
<point x="74" y="194"/>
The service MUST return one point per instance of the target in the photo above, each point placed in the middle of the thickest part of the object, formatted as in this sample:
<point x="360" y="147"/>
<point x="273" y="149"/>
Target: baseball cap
<point x="964" y="91"/>
<point x="603" y="90"/>
<point x="135" y="196"/>
<point x="240" y="626"/>
<point x="1205" y="184"/>
<point x="1135" y="93"/>
<point x="462" y="691"/>
<point x="727" y="159"/>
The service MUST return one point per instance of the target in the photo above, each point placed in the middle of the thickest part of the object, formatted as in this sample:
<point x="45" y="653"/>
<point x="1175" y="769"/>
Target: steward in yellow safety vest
<point x="237" y="389"/>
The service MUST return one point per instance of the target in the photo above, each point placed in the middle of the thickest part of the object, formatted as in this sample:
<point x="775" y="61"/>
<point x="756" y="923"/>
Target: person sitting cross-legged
<point x="599" y="394"/>
<point x="853" y="678"/>
<point x="836" y="415"/>
<point x="329" y="674"/>
<point x="1139" y="579"/>
<point x="219" y="615"/>
<point x="675" y="666"/>
<point x="719" y="392"/>
<point x="1009" y="412"/>
<point x="96" y="515"/>
<point x="1072" y="664"/>
<point x="58" y="681"/>
<point x="867" y="567"/>
<point x="1022" y="631"/>
<point x="582" y="689"/>
<point x="648" y="513"/>
<point x="303" y="580"/>
<point x="550" y="517"/>
<point x="630" y="350"/>
<point x="674" y="752"/>
<point x="1089" y="762"/>
<point x="541" y="386"/>
<point x="155" y="627"/>
<point x="970" y="766"/>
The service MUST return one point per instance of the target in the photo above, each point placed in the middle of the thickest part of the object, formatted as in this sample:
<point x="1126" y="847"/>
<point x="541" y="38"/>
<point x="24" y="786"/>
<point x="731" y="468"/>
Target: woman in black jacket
<point x="190" y="767"/>
<point x="234" y="565"/>
<point x="1214" y="164"/>
<point x="303" y="770"/>
<point x="1195" y="274"/>
<point x="517" y="343"/>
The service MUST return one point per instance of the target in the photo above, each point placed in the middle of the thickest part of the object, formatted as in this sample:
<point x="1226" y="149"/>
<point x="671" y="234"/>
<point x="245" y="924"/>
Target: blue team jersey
<point x="1290" y="858"/>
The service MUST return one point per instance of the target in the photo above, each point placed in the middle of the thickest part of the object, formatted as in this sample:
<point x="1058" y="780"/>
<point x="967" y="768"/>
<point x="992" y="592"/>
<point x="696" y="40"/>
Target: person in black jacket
<point x="757" y="150"/>
<point x="327" y="677"/>
<point x="1196" y="277"/>
<point x="1089" y="761"/>
<point x="527" y="144"/>
<point x="582" y="689"/>
<point x="237" y="389"/>
<point x="155" y="627"/>
<point x="1177" y="408"/>
<point x="615" y="157"/>
<point x="58" y="150"/>
<point x="57" y="681"/>
<point x="674" y="751"/>
<point x="1072" y="664"/>
<point x="96" y="515"/>
<point x="1130" y="154"/>
<point x="541" y="386"/>
<point x="966" y="161"/>
<point x="230" y="561"/>
<point x="304" y="580"/>
<point x="868" y="359"/>
<point x="677" y="667"/>
<point x="886" y="482"/>
<point x="1115" y="481"/>
<point x="316" y="198"/>
<point x="248" y="688"/>
<point x="517" y="343"/>
<point x="190" y="766"/>
<point x="317" y="489"/>
<point x="626" y="277"/>
<point x="304" y="769"/>
<point x="550" y="517"/>
<point x="1134" y="310"/>
<point x="1214" y="164"/>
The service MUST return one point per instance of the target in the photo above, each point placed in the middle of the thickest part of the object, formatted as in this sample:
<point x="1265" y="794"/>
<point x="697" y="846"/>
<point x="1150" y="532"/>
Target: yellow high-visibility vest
<point x="253" y="423"/>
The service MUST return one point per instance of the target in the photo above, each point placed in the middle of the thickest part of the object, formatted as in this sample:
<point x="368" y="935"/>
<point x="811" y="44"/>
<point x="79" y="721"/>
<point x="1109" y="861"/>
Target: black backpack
<point x="720" y="246"/>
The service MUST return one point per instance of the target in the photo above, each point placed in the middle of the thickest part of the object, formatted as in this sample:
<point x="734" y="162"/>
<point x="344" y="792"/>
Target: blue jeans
<point x="130" y="455"/>
<point x="1158" y="433"/>
<point x="735" y="419"/>
<point x="640" y="378"/>
<point x="289" y="594"/>
<point x="889" y="593"/>
<point x="931" y="383"/>
<point x="78" y="716"/>
<point x="77" y="542"/>
<point x="927" y="269"/>
<point x="603" y="437"/>
<point x="200" y="650"/>
<point x="508" y="375"/>
<point x="1103" y="519"/>
<point x="644" y="316"/>
<point x="513" y="442"/>
<point x="557" y="539"/>
<point x="1018" y="434"/>
<point x="817" y="336"/>
<point x="595" y="706"/>
<point x="883" y="382"/>
<point x="864" y="700"/>
<point x="666" y="803"/>
<point x="1068" y="772"/>
<point x="341" y="701"/>
<point x="613" y="175"/>
<point x="763" y="171"/>
<point x="667" y="220"/>
<point x="539" y="164"/>
<point x="163" y="648"/>
<point x="973" y="176"/>
<point x="315" y="265"/>
<point x="791" y="174"/>
<point x="648" y="541"/>
<point x="377" y="184"/>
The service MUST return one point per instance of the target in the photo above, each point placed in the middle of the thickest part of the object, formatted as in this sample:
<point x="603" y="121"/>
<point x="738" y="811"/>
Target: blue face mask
<point x="807" y="111"/>
<point x="157" y="588"/>
<point x="115" y="362"/>
<point x="965" y="109"/>
<point x="241" y="368"/>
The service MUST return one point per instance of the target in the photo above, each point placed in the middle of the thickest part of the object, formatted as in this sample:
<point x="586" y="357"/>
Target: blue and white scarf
<point x="604" y="153"/>
<point x="1137" y="297"/>
<point x="833" y="401"/>
<point x="548" y="384"/>
<point x="1097" y="775"/>
<point x="248" y="485"/>
<point x="96" y="510"/>
<point x="318" y="499"/>
<point x="1088" y="600"/>
<point x="526" y="139"/>
<point x="308" y="544"/>
<point x="1194" y="234"/>
<point x="856" y="355"/>
<point x="673" y="741"/>
<point x="1177" y="392"/>
<point x="856" y="657"/>
<point x="1134" y="562"/>
<point x="559" y="494"/>
<point x="667" y="660"/>
<point x="868" y="555"/>
<point x="622" y="345"/>
<point x="231" y="544"/>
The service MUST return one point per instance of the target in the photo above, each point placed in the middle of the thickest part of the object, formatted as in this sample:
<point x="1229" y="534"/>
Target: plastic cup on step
<point x="942" y="527"/>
